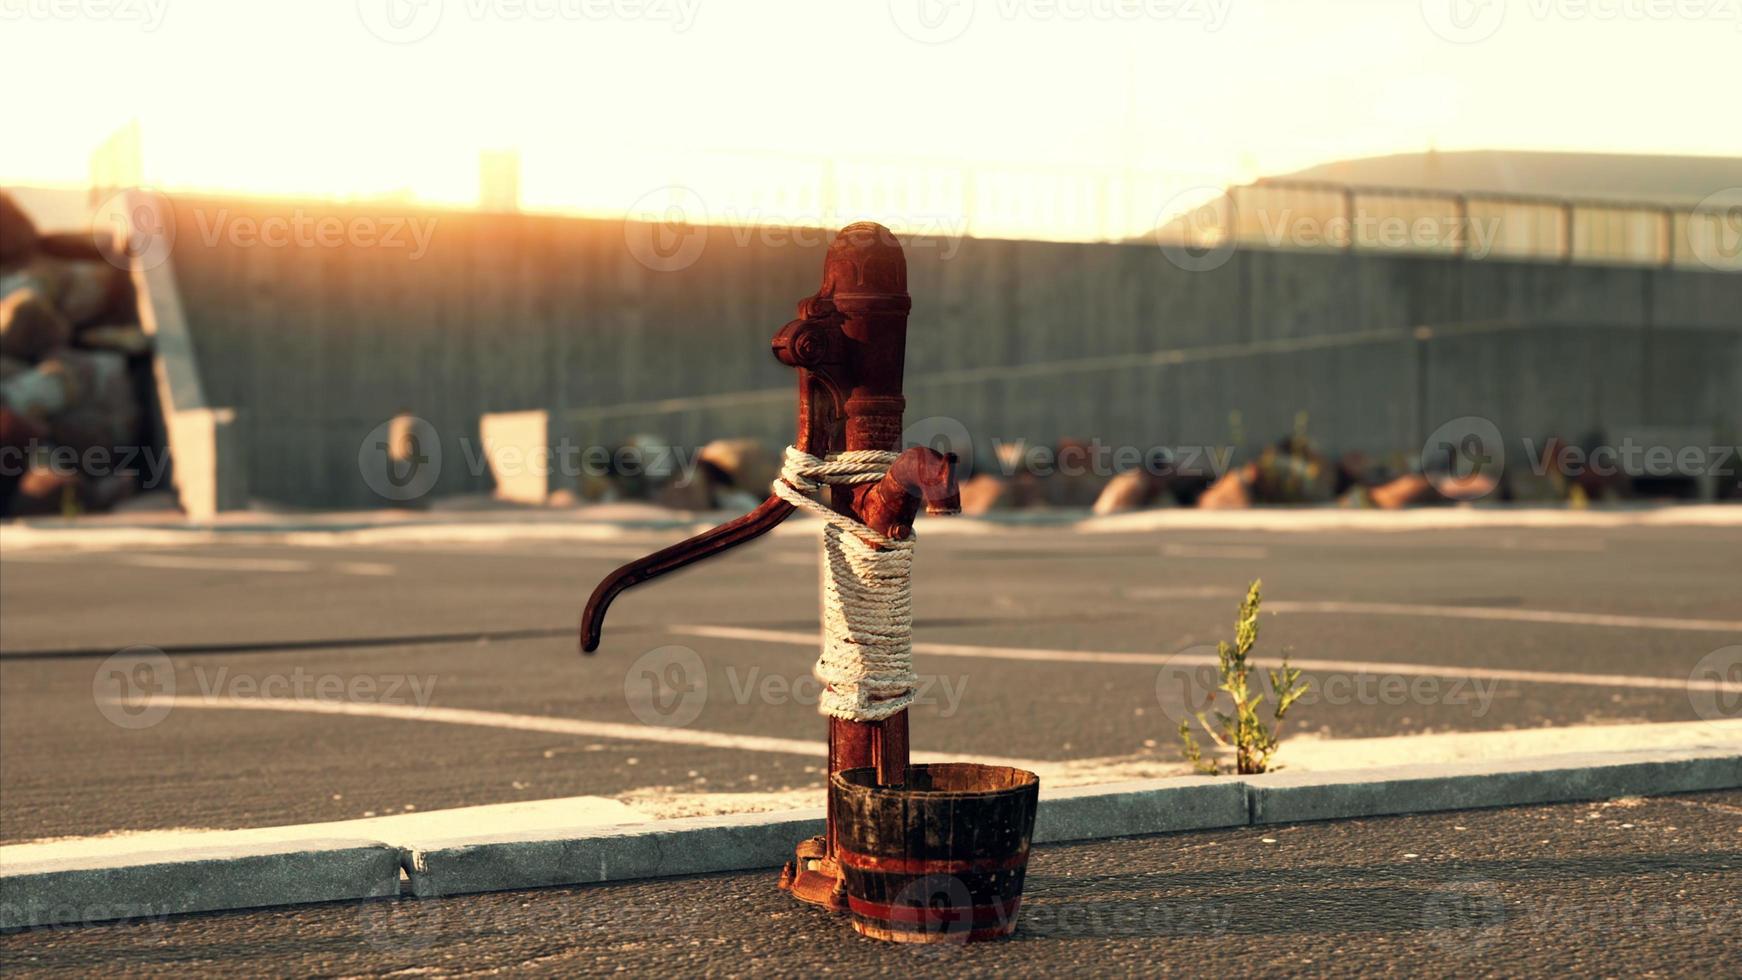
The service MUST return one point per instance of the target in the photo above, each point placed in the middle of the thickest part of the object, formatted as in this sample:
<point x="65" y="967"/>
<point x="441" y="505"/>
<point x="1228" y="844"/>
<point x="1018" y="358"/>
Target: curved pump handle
<point x="812" y="343"/>
<point x="705" y="545"/>
<point x="848" y="345"/>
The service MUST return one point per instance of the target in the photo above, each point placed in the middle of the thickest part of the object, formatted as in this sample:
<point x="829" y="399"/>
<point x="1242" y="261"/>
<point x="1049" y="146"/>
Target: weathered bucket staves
<point x="940" y="859"/>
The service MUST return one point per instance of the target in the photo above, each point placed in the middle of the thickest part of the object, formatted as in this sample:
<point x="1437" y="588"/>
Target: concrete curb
<point x="1142" y="806"/>
<point x="107" y="885"/>
<point x="693" y="845"/>
<point x="199" y="879"/>
<point x="1285" y="797"/>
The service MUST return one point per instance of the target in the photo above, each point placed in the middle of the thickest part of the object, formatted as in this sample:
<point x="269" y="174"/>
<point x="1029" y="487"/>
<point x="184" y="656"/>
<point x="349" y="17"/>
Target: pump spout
<point x="919" y="475"/>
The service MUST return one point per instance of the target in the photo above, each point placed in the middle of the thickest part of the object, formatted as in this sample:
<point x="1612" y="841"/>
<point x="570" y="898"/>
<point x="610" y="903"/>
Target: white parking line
<point x="1242" y="552"/>
<point x="1308" y="753"/>
<point x="556" y="726"/>
<point x="374" y="568"/>
<point x="1182" y="592"/>
<point x="205" y="563"/>
<point x="1520" y="544"/>
<point x="1181" y="660"/>
<point x="1510" y="615"/>
<point x="556" y="551"/>
<point x="195" y="562"/>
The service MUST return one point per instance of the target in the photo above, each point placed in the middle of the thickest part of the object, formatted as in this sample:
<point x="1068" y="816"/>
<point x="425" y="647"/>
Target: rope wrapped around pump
<point x="866" y="667"/>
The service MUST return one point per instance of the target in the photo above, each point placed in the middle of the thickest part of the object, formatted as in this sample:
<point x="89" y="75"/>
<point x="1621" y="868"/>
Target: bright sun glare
<point x="782" y="109"/>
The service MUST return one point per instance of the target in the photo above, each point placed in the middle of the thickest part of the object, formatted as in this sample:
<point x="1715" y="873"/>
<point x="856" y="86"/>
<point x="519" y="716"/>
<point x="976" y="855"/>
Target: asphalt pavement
<point x="1027" y="643"/>
<point x="1629" y="887"/>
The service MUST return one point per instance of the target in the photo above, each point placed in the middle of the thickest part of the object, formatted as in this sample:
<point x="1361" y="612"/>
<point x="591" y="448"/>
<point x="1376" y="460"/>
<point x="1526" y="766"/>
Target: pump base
<point x="814" y="877"/>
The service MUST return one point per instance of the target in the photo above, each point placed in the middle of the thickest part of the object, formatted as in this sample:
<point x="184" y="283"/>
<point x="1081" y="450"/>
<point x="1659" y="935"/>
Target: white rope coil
<point x="866" y="667"/>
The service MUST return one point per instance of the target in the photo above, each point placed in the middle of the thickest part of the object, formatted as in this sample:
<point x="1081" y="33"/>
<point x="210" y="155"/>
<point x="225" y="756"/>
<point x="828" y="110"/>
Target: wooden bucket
<point x="940" y="859"/>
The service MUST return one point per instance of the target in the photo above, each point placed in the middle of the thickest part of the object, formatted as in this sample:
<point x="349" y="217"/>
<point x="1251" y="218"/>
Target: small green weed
<point x="1254" y="742"/>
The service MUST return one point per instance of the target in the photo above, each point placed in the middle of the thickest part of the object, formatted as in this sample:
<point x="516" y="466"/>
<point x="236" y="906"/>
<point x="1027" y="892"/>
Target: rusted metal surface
<point x="849" y="343"/>
<point x="939" y="860"/>
<point x="723" y="538"/>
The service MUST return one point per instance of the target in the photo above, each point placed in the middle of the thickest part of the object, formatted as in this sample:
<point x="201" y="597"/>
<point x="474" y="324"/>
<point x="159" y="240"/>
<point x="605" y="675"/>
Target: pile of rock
<point x="726" y="474"/>
<point x="1294" y="471"/>
<point x="72" y="354"/>
<point x="1076" y="474"/>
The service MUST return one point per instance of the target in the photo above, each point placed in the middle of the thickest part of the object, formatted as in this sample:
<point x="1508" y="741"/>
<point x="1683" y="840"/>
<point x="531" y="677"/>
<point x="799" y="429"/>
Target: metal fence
<point x="1309" y="215"/>
<point x="954" y="199"/>
<point x="1067" y="203"/>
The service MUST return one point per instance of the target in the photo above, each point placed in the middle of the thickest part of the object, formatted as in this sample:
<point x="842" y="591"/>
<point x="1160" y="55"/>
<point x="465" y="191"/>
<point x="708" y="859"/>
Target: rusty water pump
<point x="849" y="345"/>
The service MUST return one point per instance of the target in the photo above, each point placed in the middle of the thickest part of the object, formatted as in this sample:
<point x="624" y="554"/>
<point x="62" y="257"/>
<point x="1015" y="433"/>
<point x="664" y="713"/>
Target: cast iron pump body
<point x="849" y="345"/>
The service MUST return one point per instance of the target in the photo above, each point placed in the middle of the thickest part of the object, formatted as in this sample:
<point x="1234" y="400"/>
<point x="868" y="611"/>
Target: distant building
<point x="1559" y="207"/>
<point x="499" y="180"/>
<point x="118" y="163"/>
<point x="1667" y="181"/>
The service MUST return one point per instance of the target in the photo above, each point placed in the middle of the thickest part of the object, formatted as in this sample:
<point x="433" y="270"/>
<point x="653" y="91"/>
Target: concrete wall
<point x="316" y="342"/>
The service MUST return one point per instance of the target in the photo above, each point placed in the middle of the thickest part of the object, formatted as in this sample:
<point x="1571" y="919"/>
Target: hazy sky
<point x="359" y="97"/>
